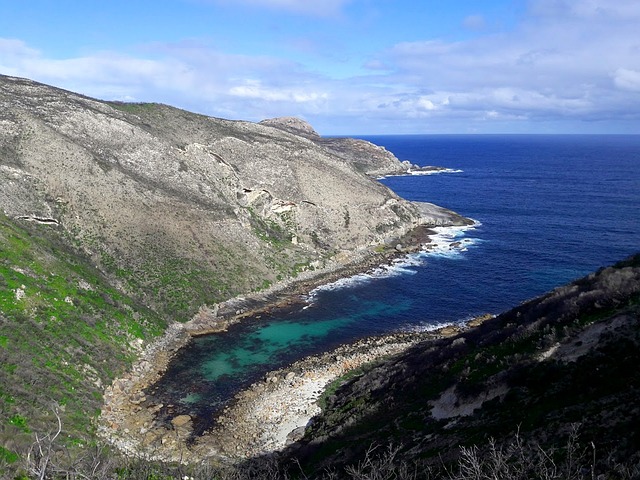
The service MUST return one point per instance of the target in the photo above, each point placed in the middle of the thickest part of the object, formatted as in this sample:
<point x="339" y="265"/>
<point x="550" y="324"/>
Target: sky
<point x="348" y="67"/>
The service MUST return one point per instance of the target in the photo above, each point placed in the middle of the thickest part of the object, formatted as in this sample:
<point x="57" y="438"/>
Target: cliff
<point x="364" y="156"/>
<point x="118" y="219"/>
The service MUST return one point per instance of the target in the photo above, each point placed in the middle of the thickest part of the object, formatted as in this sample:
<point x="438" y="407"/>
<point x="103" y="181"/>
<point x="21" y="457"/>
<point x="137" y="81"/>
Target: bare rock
<point x="180" y="420"/>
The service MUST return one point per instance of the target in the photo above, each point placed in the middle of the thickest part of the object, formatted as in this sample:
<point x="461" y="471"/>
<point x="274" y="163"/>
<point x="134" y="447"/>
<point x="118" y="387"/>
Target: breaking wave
<point x="435" y="171"/>
<point x="450" y="242"/>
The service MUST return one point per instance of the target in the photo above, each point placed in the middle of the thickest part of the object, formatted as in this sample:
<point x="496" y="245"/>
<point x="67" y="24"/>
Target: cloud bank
<point x="568" y="65"/>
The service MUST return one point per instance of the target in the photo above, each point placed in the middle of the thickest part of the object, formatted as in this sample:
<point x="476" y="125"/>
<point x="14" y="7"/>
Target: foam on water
<point x="432" y="326"/>
<point x="423" y="172"/>
<point x="446" y="242"/>
<point x="451" y="241"/>
<point x="400" y="266"/>
<point x="434" y="172"/>
<point x="428" y="327"/>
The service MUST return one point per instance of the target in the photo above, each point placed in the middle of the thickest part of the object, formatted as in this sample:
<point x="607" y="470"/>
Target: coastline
<point x="128" y="420"/>
<point x="417" y="170"/>
<point x="274" y="412"/>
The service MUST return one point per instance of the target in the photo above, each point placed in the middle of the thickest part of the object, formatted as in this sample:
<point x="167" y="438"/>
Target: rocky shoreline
<point x="274" y="412"/>
<point x="261" y="418"/>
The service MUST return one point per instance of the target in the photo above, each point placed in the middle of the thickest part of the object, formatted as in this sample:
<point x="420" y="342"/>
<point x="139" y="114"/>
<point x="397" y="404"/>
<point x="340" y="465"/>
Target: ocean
<point x="549" y="209"/>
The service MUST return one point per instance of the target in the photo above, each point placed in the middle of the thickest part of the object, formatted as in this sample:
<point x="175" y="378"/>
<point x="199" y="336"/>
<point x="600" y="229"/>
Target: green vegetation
<point x="500" y="379"/>
<point x="334" y="385"/>
<point x="171" y="282"/>
<point x="20" y="422"/>
<point x="516" y="460"/>
<point x="8" y="456"/>
<point x="65" y="332"/>
<point x="283" y="257"/>
<point x="269" y="230"/>
<point x="134" y="107"/>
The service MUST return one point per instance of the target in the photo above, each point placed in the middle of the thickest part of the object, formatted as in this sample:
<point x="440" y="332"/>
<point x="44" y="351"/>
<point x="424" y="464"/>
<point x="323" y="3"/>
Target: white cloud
<point x="11" y="47"/>
<point x="187" y="74"/>
<point x="568" y="60"/>
<point x="627" y="9"/>
<point x="254" y="89"/>
<point x="627" y="79"/>
<point x="550" y="66"/>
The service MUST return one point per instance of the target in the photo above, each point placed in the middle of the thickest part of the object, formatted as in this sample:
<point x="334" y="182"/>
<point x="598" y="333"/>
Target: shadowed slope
<point x="567" y="358"/>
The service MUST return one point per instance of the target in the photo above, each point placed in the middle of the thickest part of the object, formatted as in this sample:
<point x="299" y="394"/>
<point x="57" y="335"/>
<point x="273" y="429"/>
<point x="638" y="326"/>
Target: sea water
<point x="549" y="209"/>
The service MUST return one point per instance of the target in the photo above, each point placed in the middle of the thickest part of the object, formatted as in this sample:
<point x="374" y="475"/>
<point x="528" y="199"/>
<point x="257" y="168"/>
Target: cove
<point x="550" y="209"/>
<point x="205" y="374"/>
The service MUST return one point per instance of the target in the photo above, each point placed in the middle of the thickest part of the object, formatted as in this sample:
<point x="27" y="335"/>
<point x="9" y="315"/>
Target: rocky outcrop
<point x="182" y="209"/>
<point x="364" y="156"/>
<point x="293" y="125"/>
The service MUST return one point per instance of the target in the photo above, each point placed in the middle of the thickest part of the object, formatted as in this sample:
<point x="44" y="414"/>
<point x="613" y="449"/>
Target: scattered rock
<point x="180" y="420"/>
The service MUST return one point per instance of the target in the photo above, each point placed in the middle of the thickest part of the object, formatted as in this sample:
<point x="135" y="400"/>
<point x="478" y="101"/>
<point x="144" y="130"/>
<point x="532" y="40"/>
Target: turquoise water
<point x="212" y="368"/>
<point x="551" y="209"/>
<point x="270" y="343"/>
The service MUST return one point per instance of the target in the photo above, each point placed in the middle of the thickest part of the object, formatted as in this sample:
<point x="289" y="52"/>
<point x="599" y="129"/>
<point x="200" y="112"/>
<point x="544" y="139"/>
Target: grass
<point x="172" y="283"/>
<point x="134" y="107"/>
<point x="64" y="332"/>
<point x="335" y="384"/>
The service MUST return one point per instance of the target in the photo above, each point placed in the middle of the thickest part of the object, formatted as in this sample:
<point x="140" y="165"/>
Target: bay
<point x="549" y="209"/>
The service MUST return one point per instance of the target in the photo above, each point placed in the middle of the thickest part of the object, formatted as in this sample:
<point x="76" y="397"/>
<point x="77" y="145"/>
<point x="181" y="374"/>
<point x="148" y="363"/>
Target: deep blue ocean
<point x="550" y="209"/>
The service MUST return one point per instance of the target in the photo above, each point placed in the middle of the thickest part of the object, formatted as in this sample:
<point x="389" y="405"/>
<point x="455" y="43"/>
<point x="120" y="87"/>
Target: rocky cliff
<point x="364" y="156"/>
<point x="182" y="209"/>
<point x="116" y="219"/>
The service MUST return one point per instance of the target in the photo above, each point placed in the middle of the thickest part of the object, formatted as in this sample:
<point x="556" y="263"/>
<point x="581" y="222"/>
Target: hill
<point x="119" y="219"/>
<point x="551" y="381"/>
<point x="180" y="209"/>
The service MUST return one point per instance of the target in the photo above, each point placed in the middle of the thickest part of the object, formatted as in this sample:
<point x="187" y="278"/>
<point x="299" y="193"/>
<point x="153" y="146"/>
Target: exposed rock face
<point x="567" y="358"/>
<point x="183" y="209"/>
<point x="293" y="125"/>
<point x="365" y="156"/>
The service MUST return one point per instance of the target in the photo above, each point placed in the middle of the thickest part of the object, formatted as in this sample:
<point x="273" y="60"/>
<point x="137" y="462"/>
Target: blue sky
<point x="345" y="66"/>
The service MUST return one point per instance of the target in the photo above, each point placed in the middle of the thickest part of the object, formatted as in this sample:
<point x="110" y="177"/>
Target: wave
<point x="425" y="326"/>
<point x="433" y="172"/>
<point x="409" y="172"/>
<point x="400" y="266"/>
<point x="430" y="327"/>
<point x="449" y="242"/>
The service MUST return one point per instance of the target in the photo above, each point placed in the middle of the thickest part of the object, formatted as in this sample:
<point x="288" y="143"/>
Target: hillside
<point x="180" y="209"/>
<point x="118" y="219"/>
<point x="365" y="157"/>
<point x="557" y="371"/>
<point x="65" y="334"/>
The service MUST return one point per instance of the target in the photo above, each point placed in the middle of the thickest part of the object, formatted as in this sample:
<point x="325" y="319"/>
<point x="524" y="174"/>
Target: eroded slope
<point x="182" y="209"/>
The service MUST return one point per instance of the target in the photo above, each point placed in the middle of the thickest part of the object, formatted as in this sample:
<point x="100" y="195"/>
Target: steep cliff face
<point x="182" y="209"/>
<point x="560" y="368"/>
